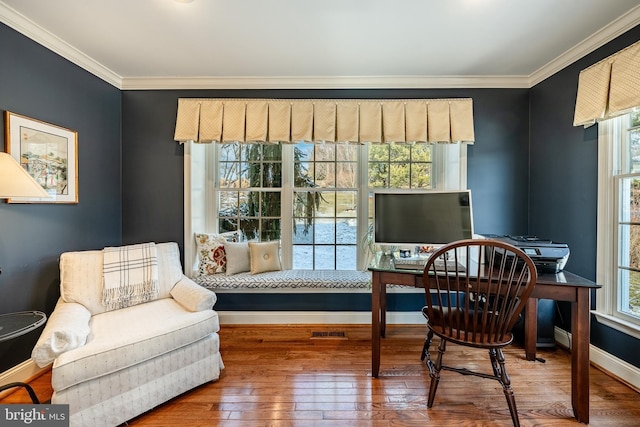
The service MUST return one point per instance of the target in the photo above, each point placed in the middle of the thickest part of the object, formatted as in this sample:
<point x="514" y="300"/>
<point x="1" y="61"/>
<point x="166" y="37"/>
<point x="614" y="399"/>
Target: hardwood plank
<point x="277" y="376"/>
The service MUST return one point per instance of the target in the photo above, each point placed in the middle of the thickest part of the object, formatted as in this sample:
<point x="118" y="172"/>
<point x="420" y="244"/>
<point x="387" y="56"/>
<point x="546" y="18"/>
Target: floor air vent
<point x="339" y="335"/>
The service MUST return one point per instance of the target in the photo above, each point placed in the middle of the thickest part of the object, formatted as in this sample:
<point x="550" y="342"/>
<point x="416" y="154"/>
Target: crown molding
<point x="588" y="45"/>
<point x="28" y="28"/>
<point x="325" y="82"/>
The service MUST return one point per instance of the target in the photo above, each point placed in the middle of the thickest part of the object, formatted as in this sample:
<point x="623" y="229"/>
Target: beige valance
<point x="609" y="88"/>
<point x="327" y="120"/>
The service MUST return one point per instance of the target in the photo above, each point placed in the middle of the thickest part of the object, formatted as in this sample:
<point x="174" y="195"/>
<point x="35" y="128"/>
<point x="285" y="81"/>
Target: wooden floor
<point x="280" y="376"/>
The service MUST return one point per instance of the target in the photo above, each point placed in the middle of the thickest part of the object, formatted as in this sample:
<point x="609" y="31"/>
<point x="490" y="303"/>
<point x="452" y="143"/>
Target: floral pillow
<point x="211" y="254"/>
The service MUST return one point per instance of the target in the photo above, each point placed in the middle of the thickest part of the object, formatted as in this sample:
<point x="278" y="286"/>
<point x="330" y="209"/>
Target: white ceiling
<point x="149" y="44"/>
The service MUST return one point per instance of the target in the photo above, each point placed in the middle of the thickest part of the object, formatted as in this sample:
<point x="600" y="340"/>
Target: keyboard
<point x="418" y="263"/>
<point x="410" y="263"/>
<point x="450" y="266"/>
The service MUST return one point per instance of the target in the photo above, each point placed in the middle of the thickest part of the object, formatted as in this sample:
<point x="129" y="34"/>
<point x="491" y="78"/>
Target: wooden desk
<point x="563" y="286"/>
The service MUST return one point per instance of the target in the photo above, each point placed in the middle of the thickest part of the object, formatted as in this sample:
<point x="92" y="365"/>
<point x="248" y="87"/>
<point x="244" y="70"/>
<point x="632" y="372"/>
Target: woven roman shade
<point x="609" y="88"/>
<point x="291" y="121"/>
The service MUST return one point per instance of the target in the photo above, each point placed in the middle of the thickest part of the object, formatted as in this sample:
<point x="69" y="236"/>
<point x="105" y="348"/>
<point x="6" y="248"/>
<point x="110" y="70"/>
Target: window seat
<point x="287" y="280"/>
<point x="297" y="281"/>
<point x="307" y="297"/>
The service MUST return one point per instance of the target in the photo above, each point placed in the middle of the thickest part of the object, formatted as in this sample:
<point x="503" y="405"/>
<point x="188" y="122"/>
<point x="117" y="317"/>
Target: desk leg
<point x="580" y="319"/>
<point x="531" y="328"/>
<point x="383" y="310"/>
<point x="375" y="324"/>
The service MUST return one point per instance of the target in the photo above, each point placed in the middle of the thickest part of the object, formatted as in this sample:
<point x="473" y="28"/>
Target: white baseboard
<point x="315" y="317"/>
<point x="605" y="361"/>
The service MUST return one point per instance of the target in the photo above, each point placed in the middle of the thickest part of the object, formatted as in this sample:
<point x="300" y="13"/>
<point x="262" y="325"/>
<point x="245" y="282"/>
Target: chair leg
<point x="500" y="371"/>
<point x="434" y="372"/>
<point x="425" y="348"/>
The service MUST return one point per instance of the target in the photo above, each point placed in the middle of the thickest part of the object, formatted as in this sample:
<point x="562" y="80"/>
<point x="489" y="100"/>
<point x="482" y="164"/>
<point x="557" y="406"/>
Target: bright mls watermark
<point x="34" y="415"/>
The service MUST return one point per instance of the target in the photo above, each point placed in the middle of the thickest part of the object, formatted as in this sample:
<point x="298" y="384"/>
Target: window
<point x="249" y="189"/>
<point x="400" y="166"/>
<point x="618" y="302"/>
<point x="314" y="198"/>
<point x="325" y="196"/>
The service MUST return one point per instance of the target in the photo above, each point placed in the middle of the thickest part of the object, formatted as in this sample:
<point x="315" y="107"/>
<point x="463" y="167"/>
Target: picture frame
<point x="49" y="153"/>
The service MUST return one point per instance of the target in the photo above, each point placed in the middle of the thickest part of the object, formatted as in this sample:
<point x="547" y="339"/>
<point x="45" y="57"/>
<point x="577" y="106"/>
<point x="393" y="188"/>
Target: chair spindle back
<point x="478" y="288"/>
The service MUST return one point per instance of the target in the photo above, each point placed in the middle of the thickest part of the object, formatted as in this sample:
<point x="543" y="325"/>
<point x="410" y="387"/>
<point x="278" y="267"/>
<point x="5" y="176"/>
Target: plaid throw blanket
<point x="130" y="275"/>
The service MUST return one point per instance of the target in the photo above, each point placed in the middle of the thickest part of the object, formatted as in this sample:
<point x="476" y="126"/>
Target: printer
<point x="548" y="256"/>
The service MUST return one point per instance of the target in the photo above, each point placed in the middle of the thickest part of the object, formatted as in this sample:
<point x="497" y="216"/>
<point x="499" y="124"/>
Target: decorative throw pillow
<point x="237" y="257"/>
<point x="211" y="253"/>
<point x="265" y="256"/>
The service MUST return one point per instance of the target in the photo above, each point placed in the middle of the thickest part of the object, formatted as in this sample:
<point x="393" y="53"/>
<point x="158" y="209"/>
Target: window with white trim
<point x="618" y="268"/>
<point x="249" y="189"/>
<point x="314" y="198"/>
<point x="325" y="197"/>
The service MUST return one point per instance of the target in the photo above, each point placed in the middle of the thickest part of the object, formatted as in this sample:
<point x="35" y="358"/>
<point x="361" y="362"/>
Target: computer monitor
<point x="422" y="218"/>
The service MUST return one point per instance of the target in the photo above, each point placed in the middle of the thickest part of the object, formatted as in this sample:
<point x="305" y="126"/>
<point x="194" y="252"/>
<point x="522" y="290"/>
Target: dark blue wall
<point x="563" y="183"/>
<point x="37" y="83"/>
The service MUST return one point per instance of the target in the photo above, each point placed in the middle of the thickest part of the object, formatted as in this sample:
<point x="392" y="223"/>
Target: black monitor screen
<point x="422" y="218"/>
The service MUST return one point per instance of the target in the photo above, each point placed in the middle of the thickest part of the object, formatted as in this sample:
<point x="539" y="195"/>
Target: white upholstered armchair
<point x="112" y="364"/>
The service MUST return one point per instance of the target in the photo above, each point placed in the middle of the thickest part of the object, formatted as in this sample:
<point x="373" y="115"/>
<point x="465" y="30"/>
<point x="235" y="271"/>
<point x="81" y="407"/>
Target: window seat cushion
<point x="288" y="279"/>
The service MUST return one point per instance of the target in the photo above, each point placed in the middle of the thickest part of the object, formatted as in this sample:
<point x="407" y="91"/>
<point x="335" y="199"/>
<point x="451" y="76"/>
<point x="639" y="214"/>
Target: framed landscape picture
<point x="48" y="153"/>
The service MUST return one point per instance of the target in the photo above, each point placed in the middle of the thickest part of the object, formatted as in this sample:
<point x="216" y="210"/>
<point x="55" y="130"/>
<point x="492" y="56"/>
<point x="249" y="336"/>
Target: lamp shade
<point x="16" y="182"/>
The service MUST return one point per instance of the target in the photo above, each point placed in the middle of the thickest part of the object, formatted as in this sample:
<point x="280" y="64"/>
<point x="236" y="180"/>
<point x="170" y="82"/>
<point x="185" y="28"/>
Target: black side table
<point x="13" y="325"/>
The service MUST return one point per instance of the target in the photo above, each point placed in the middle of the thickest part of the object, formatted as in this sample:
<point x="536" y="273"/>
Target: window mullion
<point x="362" y="210"/>
<point x="286" y="211"/>
<point x="211" y="199"/>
